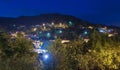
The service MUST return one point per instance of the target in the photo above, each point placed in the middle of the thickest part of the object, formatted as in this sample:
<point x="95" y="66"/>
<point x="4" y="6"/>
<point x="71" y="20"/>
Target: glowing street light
<point x="34" y="29"/>
<point x="48" y="35"/>
<point x="45" y="56"/>
<point x="52" y="23"/>
<point x="70" y="23"/>
<point x="85" y="32"/>
<point x="60" y="31"/>
<point x="43" y="24"/>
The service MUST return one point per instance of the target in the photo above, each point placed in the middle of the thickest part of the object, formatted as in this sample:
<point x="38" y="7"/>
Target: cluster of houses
<point x="39" y="33"/>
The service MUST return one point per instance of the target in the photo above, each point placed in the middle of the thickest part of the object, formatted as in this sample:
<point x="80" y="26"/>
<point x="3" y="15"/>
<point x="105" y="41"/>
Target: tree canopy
<point x="16" y="53"/>
<point x="100" y="53"/>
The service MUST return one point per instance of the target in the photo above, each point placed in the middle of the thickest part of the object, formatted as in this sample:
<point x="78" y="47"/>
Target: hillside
<point x="39" y="19"/>
<point x="6" y="22"/>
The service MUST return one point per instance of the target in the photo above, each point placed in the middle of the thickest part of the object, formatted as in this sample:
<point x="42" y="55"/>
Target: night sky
<point x="95" y="11"/>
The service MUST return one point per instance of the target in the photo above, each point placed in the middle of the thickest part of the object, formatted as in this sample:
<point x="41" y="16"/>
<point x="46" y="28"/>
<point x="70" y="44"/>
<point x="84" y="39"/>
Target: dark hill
<point x="45" y="18"/>
<point x="39" y="19"/>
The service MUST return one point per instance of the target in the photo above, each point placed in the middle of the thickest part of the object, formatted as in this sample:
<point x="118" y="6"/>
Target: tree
<point x="16" y="53"/>
<point x="58" y="54"/>
<point x="100" y="53"/>
<point x="65" y="56"/>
